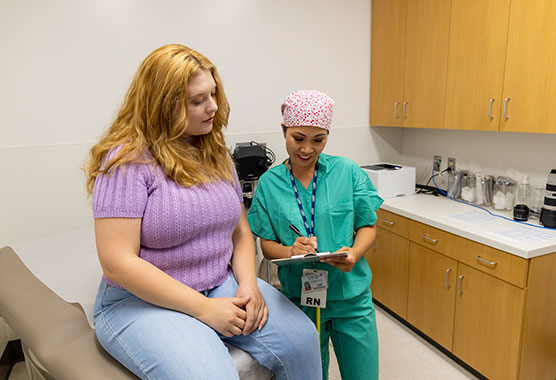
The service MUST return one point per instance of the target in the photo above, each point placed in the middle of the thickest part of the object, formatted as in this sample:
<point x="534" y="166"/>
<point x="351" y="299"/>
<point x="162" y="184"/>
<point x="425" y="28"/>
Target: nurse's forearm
<point x="274" y="250"/>
<point x="364" y="239"/>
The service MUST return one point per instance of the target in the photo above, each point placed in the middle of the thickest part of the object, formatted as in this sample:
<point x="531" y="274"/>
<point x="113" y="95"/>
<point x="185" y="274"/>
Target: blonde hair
<point x="152" y="118"/>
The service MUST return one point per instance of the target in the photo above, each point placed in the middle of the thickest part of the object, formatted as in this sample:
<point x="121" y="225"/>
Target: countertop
<point x="476" y="224"/>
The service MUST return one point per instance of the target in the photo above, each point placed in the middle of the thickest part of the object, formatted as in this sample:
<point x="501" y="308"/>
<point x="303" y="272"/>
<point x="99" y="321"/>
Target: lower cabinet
<point x="388" y="259"/>
<point x="488" y="322"/>
<point x="468" y="297"/>
<point x="431" y="296"/>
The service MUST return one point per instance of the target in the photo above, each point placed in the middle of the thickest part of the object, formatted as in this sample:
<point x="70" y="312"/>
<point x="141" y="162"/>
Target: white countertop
<point x="475" y="224"/>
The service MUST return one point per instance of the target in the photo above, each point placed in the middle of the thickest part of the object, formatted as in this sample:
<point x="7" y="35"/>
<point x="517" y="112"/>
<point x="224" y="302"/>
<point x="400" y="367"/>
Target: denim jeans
<point x="157" y="343"/>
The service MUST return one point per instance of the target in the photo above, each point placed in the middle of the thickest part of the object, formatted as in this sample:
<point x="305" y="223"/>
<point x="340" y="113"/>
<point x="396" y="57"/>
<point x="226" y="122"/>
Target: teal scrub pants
<point x="351" y="324"/>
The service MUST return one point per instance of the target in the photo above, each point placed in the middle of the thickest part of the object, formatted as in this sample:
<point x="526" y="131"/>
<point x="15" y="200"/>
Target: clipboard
<point x="309" y="258"/>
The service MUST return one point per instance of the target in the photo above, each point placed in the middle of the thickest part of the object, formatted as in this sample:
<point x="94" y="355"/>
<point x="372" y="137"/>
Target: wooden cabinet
<point x="433" y="238"/>
<point x="538" y="354"/>
<point x="387" y="61"/>
<point x="464" y="64"/>
<point x="388" y="259"/>
<point x="487" y="324"/>
<point x="476" y="59"/>
<point x="466" y="296"/>
<point x="409" y="62"/>
<point x="530" y="78"/>
<point x="432" y="293"/>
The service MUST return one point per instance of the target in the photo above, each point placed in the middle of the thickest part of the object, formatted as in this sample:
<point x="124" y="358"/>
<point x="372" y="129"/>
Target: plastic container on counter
<point x="468" y="188"/>
<point x="503" y="193"/>
<point x="455" y="183"/>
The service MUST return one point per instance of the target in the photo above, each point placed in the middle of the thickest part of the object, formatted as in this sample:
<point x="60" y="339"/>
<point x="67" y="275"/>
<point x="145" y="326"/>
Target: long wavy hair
<point x="152" y="119"/>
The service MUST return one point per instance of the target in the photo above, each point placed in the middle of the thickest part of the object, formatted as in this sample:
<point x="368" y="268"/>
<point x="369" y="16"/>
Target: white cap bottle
<point x="522" y="192"/>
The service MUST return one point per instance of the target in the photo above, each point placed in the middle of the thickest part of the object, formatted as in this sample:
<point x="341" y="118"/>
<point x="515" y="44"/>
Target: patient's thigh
<point x="157" y="343"/>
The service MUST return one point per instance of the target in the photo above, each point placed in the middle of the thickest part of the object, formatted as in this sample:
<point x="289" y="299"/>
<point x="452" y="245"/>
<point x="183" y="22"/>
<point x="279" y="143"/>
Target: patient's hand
<point x="257" y="312"/>
<point x="226" y="315"/>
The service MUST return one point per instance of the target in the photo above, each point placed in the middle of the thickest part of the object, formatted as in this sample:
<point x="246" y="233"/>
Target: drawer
<point x="433" y="238"/>
<point x="503" y="265"/>
<point x="392" y="222"/>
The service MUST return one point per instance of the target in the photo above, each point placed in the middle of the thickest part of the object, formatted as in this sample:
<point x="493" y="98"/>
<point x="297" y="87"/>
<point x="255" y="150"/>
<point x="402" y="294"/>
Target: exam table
<point x="47" y="294"/>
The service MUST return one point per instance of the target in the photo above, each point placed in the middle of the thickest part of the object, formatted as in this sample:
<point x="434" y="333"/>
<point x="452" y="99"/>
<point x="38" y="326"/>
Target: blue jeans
<point x="157" y="343"/>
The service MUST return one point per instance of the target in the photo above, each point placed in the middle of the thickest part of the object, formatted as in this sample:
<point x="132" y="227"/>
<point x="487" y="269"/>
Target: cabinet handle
<point x="396" y="110"/>
<point x="506" y="107"/>
<point x="447" y="275"/>
<point x="490" y="108"/>
<point x="479" y="258"/>
<point x="460" y="279"/>
<point x="430" y="240"/>
<point x="373" y="247"/>
<point x="387" y="222"/>
<point x="403" y="110"/>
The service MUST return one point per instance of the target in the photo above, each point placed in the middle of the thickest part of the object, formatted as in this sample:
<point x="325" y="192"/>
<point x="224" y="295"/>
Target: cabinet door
<point x="389" y="264"/>
<point x="538" y="355"/>
<point x="476" y="58"/>
<point x="426" y="62"/>
<point x="431" y="295"/>
<point x="487" y="325"/>
<point x="530" y="78"/>
<point x="387" y="61"/>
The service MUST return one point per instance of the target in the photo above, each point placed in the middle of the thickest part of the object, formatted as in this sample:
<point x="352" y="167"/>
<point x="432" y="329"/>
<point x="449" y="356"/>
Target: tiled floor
<point x="403" y="355"/>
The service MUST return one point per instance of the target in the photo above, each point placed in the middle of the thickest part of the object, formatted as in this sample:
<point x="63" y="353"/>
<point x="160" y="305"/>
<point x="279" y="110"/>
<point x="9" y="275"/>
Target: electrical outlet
<point x="451" y="163"/>
<point x="436" y="163"/>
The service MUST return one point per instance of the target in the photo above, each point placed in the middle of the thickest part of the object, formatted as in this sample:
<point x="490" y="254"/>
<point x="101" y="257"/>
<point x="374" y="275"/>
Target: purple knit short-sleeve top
<point x="185" y="231"/>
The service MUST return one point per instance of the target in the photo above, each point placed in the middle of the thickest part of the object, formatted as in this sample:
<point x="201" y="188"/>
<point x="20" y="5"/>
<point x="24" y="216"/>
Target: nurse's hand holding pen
<point x="302" y="245"/>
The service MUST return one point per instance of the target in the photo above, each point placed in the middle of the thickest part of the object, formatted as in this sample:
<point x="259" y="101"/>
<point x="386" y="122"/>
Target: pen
<point x="296" y="231"/>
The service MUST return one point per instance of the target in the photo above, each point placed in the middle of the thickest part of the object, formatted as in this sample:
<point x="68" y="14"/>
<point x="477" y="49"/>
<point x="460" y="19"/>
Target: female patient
<point x="173" y="241"/>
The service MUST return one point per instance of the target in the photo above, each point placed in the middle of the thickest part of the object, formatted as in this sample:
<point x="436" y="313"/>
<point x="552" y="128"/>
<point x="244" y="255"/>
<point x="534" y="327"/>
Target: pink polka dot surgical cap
<point x="308" y="108"/>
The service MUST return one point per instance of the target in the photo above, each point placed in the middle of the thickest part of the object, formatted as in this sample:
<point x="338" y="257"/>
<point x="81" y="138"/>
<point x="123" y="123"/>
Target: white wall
<point x="495" y="153"/>
<point x="66" y="65"/>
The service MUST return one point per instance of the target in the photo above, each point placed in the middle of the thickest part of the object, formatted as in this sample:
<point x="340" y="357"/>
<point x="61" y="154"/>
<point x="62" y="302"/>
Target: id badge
<point x="314" y="283"/>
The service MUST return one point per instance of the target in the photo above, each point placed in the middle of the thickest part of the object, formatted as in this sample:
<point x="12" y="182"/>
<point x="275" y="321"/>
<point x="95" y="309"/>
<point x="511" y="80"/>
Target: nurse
<point x="332" y="202"/>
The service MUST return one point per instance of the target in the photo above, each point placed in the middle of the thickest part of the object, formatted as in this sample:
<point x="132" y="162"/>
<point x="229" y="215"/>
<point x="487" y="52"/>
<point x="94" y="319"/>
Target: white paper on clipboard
<point x="300" y="259"/>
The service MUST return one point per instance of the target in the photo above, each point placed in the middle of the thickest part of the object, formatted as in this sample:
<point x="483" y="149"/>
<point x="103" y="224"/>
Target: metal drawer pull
<point x="479" y="258"/>
<point x="403" y="110"/>
<point x="460" y="278"/>
<point x="505" y="107"/>
<point x="490" y="108"/>
<point x="447" y="274"/>
<point x="430" y="240"/>
<point x="387" y="222"/>
<point x="396" y="110"/>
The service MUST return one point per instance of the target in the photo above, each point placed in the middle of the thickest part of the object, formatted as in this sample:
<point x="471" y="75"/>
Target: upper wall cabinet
<point x="530" y="79"/>
<point x="387" y="61"/>
<point x="465" y="64"/>
<point x="409" y="62"/>
<point x="476" y="58"/>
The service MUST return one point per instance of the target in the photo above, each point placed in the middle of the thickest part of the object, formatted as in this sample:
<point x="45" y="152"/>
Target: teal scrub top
<point x="346" y="200"/>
